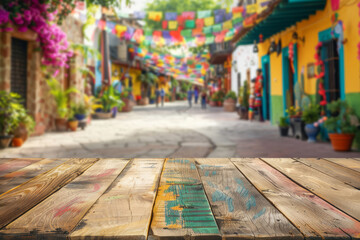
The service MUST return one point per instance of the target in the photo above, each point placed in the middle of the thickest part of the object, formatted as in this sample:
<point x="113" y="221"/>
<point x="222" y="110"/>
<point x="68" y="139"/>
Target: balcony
<point x="220" y="52"/>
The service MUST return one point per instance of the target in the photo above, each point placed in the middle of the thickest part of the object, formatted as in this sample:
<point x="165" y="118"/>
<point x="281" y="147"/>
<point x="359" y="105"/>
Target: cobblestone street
<point x="172" y="131"/>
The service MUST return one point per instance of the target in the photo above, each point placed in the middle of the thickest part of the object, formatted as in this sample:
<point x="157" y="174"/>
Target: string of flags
<point x="191" y="68"/>
<point x="184" y="29"/>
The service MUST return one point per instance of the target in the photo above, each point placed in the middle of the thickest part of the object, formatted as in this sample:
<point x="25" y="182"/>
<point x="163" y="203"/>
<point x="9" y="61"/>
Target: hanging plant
<point x="321" y="74"/>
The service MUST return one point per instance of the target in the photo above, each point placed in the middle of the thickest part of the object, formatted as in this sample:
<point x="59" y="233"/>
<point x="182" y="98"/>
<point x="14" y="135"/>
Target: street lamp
<point x="235" y="66"/>
<point x="255" y="49"/>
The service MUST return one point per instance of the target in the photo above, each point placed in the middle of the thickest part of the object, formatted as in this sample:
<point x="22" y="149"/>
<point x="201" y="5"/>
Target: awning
<point x="284" y="15"/>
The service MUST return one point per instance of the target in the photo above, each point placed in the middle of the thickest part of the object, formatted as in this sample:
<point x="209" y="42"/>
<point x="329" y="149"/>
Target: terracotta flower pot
<point x="60" y="124"/>
<point x="17" y="142"/>
<point x="103" y="115"/>
<point x="21" y="132"/>
<point x="212" y="103"/>
<point x="128" y="105"/>
<point x="229" y="105"/>
<point x="341" y="141"/>
<point x="73" y="125"/>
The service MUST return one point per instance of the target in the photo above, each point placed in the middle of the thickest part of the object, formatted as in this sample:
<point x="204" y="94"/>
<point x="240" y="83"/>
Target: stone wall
<point x="40" y="103"/>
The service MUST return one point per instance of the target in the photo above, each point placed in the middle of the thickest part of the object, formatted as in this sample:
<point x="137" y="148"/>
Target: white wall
<point x="245" y="59"/>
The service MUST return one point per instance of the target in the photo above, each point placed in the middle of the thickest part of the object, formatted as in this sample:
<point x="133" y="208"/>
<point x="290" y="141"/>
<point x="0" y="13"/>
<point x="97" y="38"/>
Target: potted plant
<point x="220" y="98"/>
<point x="80" y="111"/>
<point x="230" y="101"/>
<point x="244" y="101"/>
<point x="9" y="104"/>
<point x="110" y="103"/>
<point x="24" y="129"/>
<point x="73" y="123"/>
<point x="343" y="127"/>
<point x="213" y="99"/>
<point x="61" y="97"/>
<point x="310" y="115"/>
<point x="284" y="126"/>
<point x="147" y="79"/>
<point x="125" y="96"/>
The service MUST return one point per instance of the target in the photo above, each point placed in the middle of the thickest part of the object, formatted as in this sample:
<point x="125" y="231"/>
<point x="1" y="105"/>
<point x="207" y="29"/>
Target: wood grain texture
<point x="13" y="179"/>
<point x="22" y="198"/>
<point x="181" y="209"/>
<point x="326" y="187"/>
<point x="16" y="164"/>
<point x="124" y="211"/>
<point x="60" y="213"/>
<point x="313" y="216"/>
<point x="239" y="209"/>
<point x="346" y="162"/>
<point x="344" y="174"/>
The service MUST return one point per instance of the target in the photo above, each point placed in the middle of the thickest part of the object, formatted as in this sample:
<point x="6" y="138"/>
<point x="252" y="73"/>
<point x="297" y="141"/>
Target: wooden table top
<point x="180" y="198"/>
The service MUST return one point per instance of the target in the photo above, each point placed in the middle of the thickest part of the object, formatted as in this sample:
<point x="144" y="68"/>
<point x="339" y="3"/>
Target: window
<point x="19" y="68"/>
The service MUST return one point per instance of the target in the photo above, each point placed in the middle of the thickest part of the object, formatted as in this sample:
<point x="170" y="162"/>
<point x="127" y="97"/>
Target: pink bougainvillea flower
<point x="22" y="29"/>
<point x="4" y="16"/>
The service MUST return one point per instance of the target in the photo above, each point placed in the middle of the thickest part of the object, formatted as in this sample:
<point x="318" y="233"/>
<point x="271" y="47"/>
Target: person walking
<point x="189" y="96"/>
<point x="157" y="96"/>
<point x="162" y="95"/>
<point x="203" y="99"/>
<point x="196" y="95"/>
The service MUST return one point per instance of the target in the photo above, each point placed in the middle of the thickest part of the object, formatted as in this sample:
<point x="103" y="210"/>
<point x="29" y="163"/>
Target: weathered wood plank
<point x="239" y="209"/>
<point x="326" y="187"/>
<point x="313" y="216"/>
<point x="346" y="175"/>
<point x="346" y="162"/>
<point x="19" y="200"/>
<point x="57" y="215"/>
<point x="16" y="164"/>
<point x="180" y="171"/>
<point x="124" y="211"/>
<point x="181" y="209"/>
<point x="22" y="175"/>
<point x="4" y="160"/>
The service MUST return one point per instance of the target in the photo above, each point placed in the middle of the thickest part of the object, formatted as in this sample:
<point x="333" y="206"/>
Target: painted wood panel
<point x="22" y="198"/>
<point x="240" y="210"/>
<point x="16" y="164"/>
<point x="125" y="210"/>
<point x="313" y="216"/>
<point x="326" y="187"/>
<point x="346" y="162"/>
<point x="57" y="215"/>
<point x="181" y="208"/>
<point x="346" y="175"/>
<point x="13" y="179"/>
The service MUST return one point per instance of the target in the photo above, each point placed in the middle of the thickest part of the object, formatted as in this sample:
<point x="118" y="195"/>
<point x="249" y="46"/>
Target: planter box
<point x="229" y="105"/>
<point x="102" y="115"/>
<point x="144" y="101"/>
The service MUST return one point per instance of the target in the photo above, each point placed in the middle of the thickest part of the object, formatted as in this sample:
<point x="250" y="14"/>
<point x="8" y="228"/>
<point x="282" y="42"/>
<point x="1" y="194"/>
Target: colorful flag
<point x="190" y="24"/>
<point x="228" y="16"/>
<point x="188" y="15"/>
<point x="237" y="10"/>
<point x="140" y="15"/>
<point x="186" y="33"/>
<point x="170" y="16"/>
<point x="227" y="25"/>
<point x="199" y="23"/>
<point x="197" y="31"/>
<point x="173" y="25"/>
<point x="252" y="8"/>
<point x="155" y="16"/>
<point x="209" y="21"/>
<point x="204" y="14"/>
<point x="164" y="24"/>
<point x="219" y="12"/>
<point x="237" y="20"/>
<point x="208" y="30"/>
<point x="217" y="28"/>
<point x="219" y="18"/>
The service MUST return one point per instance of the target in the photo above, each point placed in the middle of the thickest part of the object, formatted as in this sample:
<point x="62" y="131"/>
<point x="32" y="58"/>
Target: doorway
<point x="18" y="80"/>
<point x="330" y="57"/>
<point x="289" y="76"/>
<point x="266" y="105"/>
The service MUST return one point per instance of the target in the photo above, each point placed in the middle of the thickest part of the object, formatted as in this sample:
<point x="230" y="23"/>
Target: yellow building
<point x="301" y="25"/>
<point x="130" y="75"/>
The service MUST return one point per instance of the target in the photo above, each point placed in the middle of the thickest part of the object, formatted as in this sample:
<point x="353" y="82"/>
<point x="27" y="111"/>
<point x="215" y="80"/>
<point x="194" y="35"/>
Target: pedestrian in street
<point x="189" y="96"/>
<point x="196" y="95"/>
<point x="157" y="96"/>
<point x="162" y="95"/>
<point x="203" y="99"/>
